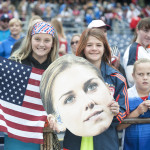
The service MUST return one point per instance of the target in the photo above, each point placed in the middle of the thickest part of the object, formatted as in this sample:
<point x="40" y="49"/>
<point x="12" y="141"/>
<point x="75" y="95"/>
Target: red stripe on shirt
<point x="123" y="115"/>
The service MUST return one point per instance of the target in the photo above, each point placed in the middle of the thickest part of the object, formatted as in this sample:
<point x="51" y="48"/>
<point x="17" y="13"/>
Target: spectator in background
<point x="15" y="26"/>
<point x="138" y="49"/>
<point x="76" y="12"/>
<point x="4" y="30"/>
<point x="18" y="43"/>
<point x="22" y="9"/>
<point x="63" y="44"/>
<point x="48" y="13"/>
<point x="14" y="12"/>
<point x="89" y="16"/>
<point x="5" y="9"/>
<point x="146" y="10"/>
<point x="41" y="4"/>
<point x="132" y="12"/>
<point x="66" y="13"/>
<point x="134" y="22"/>
<point x="37" y="11"/>
<point x="74" y="42"/>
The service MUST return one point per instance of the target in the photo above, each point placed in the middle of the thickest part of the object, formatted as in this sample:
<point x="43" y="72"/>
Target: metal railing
<point x="47" y="132"/>
<point x="136" y="120"/>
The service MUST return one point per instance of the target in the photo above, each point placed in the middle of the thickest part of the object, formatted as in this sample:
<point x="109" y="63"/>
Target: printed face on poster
<point x="81" y="98"/>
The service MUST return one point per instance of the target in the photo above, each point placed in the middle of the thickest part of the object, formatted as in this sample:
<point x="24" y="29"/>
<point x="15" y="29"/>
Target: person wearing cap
<point x="115" y="60"/>
<point x="100" y="24"/>
<point x="4" y="29"/>
<point x="38" y="49"/>
<point x="15" y="26"/>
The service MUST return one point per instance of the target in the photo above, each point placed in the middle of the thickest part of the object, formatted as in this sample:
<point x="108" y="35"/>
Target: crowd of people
<point x="71" y="82"/>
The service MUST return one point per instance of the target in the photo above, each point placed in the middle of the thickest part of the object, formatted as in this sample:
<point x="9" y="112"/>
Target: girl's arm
<point x="120" y="96"/>
<point x="142" y="108"/>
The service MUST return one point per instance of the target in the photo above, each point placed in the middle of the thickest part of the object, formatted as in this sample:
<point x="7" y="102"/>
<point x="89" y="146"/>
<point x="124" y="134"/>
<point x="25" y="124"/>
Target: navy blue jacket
<point x="108" y="140"/>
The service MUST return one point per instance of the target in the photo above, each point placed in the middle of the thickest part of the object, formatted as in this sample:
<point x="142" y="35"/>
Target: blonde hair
<point x="26" y="47"/>
<point x="140" y="61"/>
<point x="59" y="27"/>
<point x="51" y="73"/>
<point x="14" y="20"/>
<point x="79" y="35"/>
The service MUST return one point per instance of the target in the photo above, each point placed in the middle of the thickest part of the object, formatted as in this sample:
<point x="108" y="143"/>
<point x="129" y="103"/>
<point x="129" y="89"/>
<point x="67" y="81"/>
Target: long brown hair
<point x="101" y="37"/>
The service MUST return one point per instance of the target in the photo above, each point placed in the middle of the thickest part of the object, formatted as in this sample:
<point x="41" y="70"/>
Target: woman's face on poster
<point x="82" y="99"/>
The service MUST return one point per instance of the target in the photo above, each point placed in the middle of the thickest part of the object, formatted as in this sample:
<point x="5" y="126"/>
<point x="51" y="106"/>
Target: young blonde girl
<point x="136" y="136"/>
<point x="38" y="49"/>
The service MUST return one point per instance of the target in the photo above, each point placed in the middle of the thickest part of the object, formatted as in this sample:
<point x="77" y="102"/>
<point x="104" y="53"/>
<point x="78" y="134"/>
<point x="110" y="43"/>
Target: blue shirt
<point x="4" y="35"/>
<point x="6" y="47"/>
<point x="137" y="136"/>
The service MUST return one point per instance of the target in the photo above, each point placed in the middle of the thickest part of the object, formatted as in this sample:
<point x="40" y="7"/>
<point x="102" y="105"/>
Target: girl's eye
<point x="69" y="100"/>
<point x="88" y="45"/>
<point x="140" y="74"/>
<point x="148" y="74"/>
<point x="145" y="30"/>
<point x="47" y="41"/>
<point x="92" y="87"/>
<point x="37" y="39"/>
<point x="105" y="31"/>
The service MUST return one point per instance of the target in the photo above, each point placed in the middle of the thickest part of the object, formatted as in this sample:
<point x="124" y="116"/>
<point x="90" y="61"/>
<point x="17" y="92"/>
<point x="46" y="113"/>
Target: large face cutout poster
<point x="77" y="92"/>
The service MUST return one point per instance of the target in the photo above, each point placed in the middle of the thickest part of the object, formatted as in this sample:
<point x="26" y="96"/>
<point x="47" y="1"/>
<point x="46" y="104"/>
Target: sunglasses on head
<point x="76" y="42"/>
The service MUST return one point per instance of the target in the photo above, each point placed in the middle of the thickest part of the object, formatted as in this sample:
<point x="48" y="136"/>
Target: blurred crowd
<point x="71" y="17"/>
<point x="75" y="13"/>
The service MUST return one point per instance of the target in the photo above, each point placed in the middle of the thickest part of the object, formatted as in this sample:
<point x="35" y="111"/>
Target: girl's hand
<point x="147" y="103"/>
<point x="143" y="107"/>
<point x="114" y="107"/>
<point x="116" y="63"/>
<point x="53" y="123"/>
